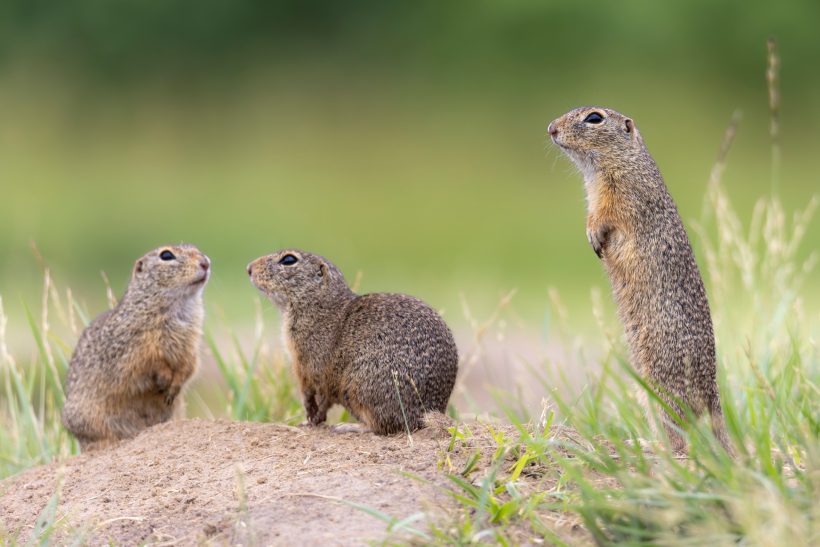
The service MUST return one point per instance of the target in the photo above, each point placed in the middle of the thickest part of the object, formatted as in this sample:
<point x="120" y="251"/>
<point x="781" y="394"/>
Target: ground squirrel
<point x="131" y="362"/>
<point x="387" y="358"/>
<point x="635" y="229"/>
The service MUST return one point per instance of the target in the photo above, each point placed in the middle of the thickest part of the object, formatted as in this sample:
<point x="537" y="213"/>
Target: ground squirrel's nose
<point x="250" y="268"/>
<point x="204" y="263"/>
<point x="552" y="129"/>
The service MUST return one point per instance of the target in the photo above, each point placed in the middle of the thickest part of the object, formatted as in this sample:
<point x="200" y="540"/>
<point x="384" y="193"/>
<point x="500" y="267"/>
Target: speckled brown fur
<point x="132" y="362"/>
<point x="634" y="227"/>
<point x="387" y="358"/>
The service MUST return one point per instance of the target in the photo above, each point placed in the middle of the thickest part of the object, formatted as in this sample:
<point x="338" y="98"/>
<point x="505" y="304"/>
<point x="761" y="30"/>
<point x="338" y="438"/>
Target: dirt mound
<point x="191" y="481"/>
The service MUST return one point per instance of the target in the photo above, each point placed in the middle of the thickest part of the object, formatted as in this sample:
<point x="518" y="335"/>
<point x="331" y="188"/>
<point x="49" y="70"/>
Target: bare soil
<point x="220" y="482"/>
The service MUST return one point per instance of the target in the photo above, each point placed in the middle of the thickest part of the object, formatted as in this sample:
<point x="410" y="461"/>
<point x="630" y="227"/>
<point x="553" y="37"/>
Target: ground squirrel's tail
<point x="719" y="426"/>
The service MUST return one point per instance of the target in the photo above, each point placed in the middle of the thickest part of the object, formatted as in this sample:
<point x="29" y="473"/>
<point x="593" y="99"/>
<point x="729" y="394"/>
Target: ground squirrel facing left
<point x="132" y="362"/>
<point x="634" y="227"/>
<point x="387" y="358"/>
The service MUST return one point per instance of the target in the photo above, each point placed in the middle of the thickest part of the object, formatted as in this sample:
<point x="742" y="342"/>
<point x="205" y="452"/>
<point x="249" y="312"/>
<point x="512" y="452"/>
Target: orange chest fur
<point x="608" y="213"/>
<point x="178" y="351"/>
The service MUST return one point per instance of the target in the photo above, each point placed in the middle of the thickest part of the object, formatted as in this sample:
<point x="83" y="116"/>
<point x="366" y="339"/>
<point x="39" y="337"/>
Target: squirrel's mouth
<point x="201" y="280"/>
<point x="555" y="140"/>
<point x="558" y="142"/>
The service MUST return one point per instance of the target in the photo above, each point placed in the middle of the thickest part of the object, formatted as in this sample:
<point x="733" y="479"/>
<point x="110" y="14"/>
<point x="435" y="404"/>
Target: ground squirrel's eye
<point x="166" y="255"/>
<point x="288" y="260"/>
<point x="594" y="117"/>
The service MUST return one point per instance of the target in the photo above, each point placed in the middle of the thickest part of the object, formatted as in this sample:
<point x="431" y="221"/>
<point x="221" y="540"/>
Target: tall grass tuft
<point x="31" y="395"/>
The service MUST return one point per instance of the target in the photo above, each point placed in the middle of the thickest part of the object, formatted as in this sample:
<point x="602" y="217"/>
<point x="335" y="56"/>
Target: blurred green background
<point x="403" y="140"/>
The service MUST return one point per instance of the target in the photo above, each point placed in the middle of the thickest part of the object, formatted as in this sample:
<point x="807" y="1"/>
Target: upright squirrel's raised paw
<point x="598" y="238"/>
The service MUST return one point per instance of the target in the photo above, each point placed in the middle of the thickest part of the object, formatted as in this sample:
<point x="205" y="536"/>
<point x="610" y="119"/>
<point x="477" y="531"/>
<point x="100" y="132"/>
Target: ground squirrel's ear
<point x="630" y="128"/>
<point x="138" y="267"/>
<point x="322" y="269"/>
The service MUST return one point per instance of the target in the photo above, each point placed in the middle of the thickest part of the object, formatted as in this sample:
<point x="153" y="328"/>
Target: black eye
<point x="166" y="255"/>
<point x="288" y="260"/>
<point x="594" y="117"/>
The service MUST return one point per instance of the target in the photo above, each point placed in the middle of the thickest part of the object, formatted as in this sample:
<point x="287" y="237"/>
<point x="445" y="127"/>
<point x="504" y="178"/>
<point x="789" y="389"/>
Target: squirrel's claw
<point x="598" y="238"/>
<point x="171" y="395"/>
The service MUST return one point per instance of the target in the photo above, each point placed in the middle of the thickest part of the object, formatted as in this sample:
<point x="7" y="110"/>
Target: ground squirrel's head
<point x="292" y="277"/>
<point x="173" y="271"/>
<point x="595" y="138"/>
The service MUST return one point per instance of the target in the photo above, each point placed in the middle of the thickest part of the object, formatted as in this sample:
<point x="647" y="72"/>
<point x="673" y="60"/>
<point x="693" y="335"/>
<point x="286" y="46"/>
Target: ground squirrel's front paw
<point x="598" y="238"/>
<point x="318" y="418"/>
<point x="314" y="415"/>
<point x="316" y="407"/>
<point x="161" y="380"/>
<point x="171" y="394"/>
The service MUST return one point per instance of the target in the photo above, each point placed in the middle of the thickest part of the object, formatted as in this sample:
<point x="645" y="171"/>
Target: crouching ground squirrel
<point x="131" y="362"/>
<point x="635" y="229"/>
<point x="387" y="358"/>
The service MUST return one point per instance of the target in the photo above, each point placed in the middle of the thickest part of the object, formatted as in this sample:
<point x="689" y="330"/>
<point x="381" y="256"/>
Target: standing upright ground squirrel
<point x="387" y="358"/>
<point x="131" y="362"/>
<point x="635" y="229"/>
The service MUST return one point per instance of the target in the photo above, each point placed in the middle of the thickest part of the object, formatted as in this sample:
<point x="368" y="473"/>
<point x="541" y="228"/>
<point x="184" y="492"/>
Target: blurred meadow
<point x="404" y="141"/>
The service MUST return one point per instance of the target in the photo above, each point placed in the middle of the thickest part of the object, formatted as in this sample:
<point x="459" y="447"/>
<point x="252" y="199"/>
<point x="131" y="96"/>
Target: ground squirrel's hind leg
<point x="598" y="237"/>
<point x="89" y="429"/>
<point x="676" y="438"/>
<point x="390" y="416"/>
<point x="719" y="425"/>
<point x="665" y="421"/>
